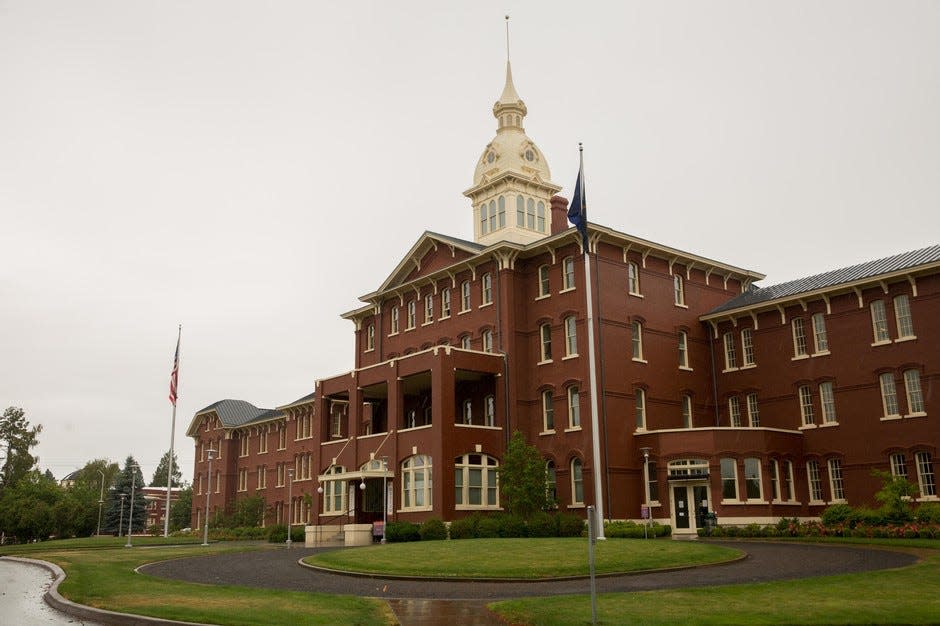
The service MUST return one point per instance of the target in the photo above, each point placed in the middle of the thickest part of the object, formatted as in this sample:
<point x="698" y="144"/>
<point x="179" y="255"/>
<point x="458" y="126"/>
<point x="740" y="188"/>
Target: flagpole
<point x="169" y="472"/>
<point x="592" y="365"/>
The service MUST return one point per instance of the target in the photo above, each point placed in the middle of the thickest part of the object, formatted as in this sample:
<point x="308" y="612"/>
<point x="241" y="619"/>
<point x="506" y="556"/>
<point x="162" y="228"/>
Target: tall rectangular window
<point x="445" y="302"/>
<point x="775" y="480"/>
<point x="548" y="410"/>
<point x="799" y="337"/>
<point x="734" y="411"/>
<point x="428" y="309"/>
<point x="752" y="479"/>
<point x="394" y="321"/>
<point x="915" y="399"/>
<point x="902" y="313"/>
<point x="653" y="483"/>
<point x="411" y="315"/>
<point x="633" y="279"/>
<point x="836" y="486"/>
<point x="545" y="335"/>
<point x="487" y="288"/>
<point x="806" y="405"/>
<point x="567" y="273"/>
<point x="683" y="349"/>
<point x="828" y="400"/>
<point x="636" y="337"/>
<point x="687" y="411"/>
<point x="889" y="395"/>
<point x="571" y="336"/>
<point x="544" y="285"/>
<point x="729" y="479"/>
<point x="577" y="482"/>
<point x="731" y="358"/>
<point x="813" y="481"/>
<point x="879" y="321"/>
<point x="899" y="466"/>
<point x="820" y="338"/>
<point x="925" y="474"/>
<point x="640" y="409"/>
<point x="789" y="483"/>
<point x="574" y="407"/>
<point x="465" y="296"/>
<point x="678" y="290"/>
<point x="753" y="411"/>
<point x="747" y="345"/>
<point x="487" y="340"/>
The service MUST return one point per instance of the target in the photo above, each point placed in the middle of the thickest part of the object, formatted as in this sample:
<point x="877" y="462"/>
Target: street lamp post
<point x="205" y="532"/>
<point x="100" y="502"/>
<point x="121" y="521"/>
<point x="130" y="511"/>
<point x="384" y="496"/>
<point x="290" y="503"/>
<point x="646" y="489"/>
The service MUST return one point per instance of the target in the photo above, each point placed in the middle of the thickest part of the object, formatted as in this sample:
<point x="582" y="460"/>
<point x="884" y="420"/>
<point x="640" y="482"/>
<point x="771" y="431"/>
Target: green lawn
<point x="908" y="595"/>
<point x="105" y="579"/>
<point x="519" y="558"/>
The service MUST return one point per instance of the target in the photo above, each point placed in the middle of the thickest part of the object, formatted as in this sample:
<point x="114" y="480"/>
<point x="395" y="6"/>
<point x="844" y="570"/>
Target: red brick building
<point x="755" y="403"/>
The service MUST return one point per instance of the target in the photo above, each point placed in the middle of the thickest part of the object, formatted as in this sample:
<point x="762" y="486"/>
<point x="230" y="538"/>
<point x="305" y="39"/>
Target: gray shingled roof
<point x="454" y="240"/>
<point x="237" y="412"/>
<point x="306" y="398"/>
<point x="834" y="278"/>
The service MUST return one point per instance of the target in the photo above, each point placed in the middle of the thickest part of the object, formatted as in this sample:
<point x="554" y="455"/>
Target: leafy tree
<point x="26" y="507"/>
<point x="129" y="476"/>
<point x="17" y="437"/>
<point x="895" y="496"/>
<point x="522" y="478"/>
<point x="182" y="510"/>
<point x="159" y="475"/>
<point x="248" y="511"/>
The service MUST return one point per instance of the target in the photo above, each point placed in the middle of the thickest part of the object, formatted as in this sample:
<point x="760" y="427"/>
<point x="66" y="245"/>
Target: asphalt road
<point x="272" y="569"/>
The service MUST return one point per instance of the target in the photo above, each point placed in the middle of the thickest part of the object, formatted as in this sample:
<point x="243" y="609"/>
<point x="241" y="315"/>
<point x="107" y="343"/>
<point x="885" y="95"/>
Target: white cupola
<point x="512" y="186"/>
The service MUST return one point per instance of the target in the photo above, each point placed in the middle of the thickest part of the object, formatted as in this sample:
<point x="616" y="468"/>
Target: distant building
<point x="715" y="395"/>
<point x="155" y="497"/>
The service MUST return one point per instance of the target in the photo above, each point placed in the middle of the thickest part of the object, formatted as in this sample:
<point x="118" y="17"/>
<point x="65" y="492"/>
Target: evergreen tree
<point x="522" y="478"/>
<point x="130" y="475"/>
<point x="17" y="437"/>
<point x="159" y="475"/>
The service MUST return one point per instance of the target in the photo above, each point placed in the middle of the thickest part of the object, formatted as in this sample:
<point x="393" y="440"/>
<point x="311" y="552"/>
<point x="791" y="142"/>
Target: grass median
<point x="519" y="558"/>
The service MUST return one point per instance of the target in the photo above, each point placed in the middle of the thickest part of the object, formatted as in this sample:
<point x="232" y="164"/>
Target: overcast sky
<point x="248" y="169"/>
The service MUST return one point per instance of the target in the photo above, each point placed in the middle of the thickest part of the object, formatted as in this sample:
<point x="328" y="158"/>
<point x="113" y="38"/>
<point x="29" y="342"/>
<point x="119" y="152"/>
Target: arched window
<point x="486" y="284"/>
<point x="679" y="288"/>
<point x="548" y="411"/>
<point x="577" y="481"/>
<point x="334" y="491"/>
<point x="492" y="215"/>
<point x="489" y="411"/>
<point x="687" y="411"/>
<point x="636" y="336"/>
<point x="540" y="217"/>
<point x="545" y="335"/>
<point x="370" y="337"/>
<point x="683" y="349"/>
<point x="567" y="273"/>
<point x="394" y="321"/>
<point x="574" y="407"/>
<point x="501" y="218"/>
<point x="487" y="341"/>
<point x="416" y="483"/>
<point x="544" y="285"/>
<point x="640" y="409"/>
<point x="520" y="211"/>
<point x="465" y="296"/>
<point x="467" y="412"/>
<point x="445" y="302"/>
<point x="475" y="484"/>
<point x="530" y="214"/>
<point x="465" y="342"/>
<point x="484" y="224"/>
<point x="571" y="336"/>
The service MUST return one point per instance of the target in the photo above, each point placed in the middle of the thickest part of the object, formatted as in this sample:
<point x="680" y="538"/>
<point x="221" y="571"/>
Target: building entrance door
<point x="689" y="505"/>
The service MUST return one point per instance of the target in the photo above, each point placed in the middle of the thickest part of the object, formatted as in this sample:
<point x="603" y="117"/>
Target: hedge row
<point x="479" y="525"/>
<point x="632" y="530"/>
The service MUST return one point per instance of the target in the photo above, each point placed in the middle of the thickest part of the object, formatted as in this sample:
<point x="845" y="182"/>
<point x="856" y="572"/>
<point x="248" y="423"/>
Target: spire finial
<point x="507" y="39"/>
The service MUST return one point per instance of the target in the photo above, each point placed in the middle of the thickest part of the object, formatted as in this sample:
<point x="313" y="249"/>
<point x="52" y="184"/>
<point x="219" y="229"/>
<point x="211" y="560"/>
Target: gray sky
<point x="249" y="169"/>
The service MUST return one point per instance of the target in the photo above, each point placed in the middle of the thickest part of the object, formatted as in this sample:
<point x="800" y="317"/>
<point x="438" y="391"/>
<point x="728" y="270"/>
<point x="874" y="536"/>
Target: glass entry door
<point x="680" y="506"/>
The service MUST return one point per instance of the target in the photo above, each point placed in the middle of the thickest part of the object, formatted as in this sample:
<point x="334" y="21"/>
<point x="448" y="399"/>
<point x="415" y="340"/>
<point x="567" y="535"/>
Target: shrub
<point x="488" y="527"/>
<point x="433" y="530"/>
<point x="396" y="532"/>
<point x="867" y="517"/>
<point x="511" y="526"/>
<point x="277" y="534"/>
<point x="928" y="513"/>
<point x="543" y="524"/>
<point x="570" y="525"/>
<point x="465" y="528"/>
<point x="837" y="514"/>
<point x="298" y="534"/>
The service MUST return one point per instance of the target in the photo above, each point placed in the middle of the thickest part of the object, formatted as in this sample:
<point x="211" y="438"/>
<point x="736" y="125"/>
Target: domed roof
<point x="511" y="150"/>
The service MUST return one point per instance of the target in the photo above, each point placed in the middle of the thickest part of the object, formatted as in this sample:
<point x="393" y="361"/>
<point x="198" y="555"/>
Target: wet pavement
<point x="22" y="587"/>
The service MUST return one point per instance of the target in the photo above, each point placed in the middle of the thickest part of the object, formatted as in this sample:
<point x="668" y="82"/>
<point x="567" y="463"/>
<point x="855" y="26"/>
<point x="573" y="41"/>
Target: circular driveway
<point x="278" y="569"/>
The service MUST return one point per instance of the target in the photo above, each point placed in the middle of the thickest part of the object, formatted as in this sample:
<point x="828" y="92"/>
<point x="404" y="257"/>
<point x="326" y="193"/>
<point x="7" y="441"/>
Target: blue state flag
<point x="577" y="211"/>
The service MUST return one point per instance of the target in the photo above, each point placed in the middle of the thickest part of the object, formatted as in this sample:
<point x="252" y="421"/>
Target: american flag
<point x="174" y="375"/>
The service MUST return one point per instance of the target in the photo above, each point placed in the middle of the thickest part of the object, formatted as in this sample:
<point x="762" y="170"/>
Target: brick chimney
<point x="559" y="214"/>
